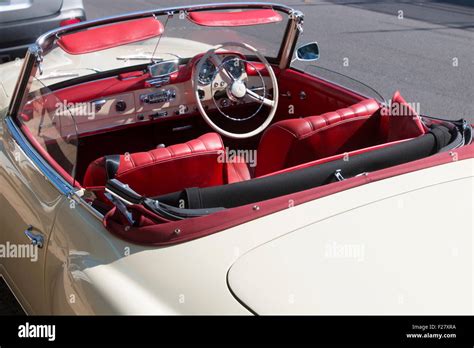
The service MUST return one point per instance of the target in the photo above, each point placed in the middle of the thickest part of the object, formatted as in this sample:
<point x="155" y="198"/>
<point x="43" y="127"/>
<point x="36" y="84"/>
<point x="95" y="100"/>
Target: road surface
<point x="425" y="49"/>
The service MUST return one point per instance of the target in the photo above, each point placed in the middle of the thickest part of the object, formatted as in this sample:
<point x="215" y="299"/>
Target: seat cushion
<point x="293" y="142"/>
<point x="195" y="163"/>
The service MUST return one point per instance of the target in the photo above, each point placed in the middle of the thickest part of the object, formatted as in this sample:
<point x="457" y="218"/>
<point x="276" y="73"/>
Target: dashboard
<point x="168" y="97"/>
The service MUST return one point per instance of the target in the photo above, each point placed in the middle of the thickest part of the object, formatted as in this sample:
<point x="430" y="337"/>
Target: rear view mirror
<point x="163" y="69"/>
<point x="308" y="52"/>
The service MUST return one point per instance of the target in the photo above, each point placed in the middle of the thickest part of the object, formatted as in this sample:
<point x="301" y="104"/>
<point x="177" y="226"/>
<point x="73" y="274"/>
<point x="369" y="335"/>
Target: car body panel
<point x="27" y="199"/>
<point x="191" y="278"/>
<point x="398" y="255"/>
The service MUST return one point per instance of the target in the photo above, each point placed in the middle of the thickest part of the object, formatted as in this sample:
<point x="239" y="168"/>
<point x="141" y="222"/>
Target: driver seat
<point x="201" y="162"/>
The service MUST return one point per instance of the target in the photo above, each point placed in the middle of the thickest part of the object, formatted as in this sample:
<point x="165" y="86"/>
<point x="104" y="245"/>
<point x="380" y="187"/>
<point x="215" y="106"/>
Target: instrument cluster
<point x="232" y="63"/>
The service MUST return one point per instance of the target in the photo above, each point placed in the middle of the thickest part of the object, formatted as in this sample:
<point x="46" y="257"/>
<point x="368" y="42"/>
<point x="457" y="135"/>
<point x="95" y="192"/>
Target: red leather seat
<point x="296" y="141"/>
<point x="197" y="163"/>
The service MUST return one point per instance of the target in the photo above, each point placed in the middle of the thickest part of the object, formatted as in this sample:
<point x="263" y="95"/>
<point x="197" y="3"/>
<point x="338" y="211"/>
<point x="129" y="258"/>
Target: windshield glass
<point x="181" y="38"/>
<point x="51" y="126"/>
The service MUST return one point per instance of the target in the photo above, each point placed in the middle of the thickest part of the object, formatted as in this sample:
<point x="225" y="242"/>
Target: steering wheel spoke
<point x="258" y="97"/>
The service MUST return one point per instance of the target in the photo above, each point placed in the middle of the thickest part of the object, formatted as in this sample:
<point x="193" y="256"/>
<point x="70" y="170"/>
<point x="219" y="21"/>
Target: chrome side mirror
<point x="163" y="69"/>
<point x="308" y="52"/>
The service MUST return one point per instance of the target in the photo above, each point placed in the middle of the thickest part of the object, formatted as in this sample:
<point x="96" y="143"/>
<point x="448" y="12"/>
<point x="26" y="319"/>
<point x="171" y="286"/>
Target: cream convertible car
<point x="177" y="162"/>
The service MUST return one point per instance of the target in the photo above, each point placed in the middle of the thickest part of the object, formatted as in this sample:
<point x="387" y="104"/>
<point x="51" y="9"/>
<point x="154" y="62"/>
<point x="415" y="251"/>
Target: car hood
<point x="366" y="261"/>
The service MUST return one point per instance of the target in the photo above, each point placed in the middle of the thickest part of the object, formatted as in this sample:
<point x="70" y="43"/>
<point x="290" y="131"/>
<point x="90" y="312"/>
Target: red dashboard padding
<point x="235" y="19"/>
<point x="197" y="163"/>
<point x="108" y="36"/>
<point x="292" y="142"/>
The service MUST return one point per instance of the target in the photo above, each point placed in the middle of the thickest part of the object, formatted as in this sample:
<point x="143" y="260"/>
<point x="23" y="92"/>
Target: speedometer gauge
<point x="207" y="73"/>
<point x="235" y="66"/>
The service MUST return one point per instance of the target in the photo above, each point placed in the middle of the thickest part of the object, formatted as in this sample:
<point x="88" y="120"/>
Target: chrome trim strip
<point x="23" y="81"/>
<point x="295" y="27"/>
<point x="57" y="180"/>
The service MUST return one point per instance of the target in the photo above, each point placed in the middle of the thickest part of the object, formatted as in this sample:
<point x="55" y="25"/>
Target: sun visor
<point x="235" y="19"/>
<point x="109" y="36"/>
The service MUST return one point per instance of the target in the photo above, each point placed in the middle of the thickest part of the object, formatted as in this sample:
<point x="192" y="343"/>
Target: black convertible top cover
<point x="260" y="189"/>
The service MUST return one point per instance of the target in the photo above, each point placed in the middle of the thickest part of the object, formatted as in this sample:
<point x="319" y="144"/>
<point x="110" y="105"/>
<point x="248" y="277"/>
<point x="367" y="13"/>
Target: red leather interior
<point x="235" y="19"/>
<point x="196" y="163"/>
<point x="108" y="36"/>
<point x="155" y="233"/>
<point x="237" y="171"/>
<point x="292" y="142"/>
<point x="321" y="96"/>
<point x="401" y="109"/>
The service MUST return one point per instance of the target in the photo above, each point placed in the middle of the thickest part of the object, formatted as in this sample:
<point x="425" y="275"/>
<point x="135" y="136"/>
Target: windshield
<point x="53" y="120"/>
<point x="181" y="38"/>
<point x="51" y="126"/>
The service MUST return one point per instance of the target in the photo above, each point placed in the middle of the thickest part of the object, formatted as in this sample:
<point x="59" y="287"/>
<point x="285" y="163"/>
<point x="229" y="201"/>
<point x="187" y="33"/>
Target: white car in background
<point x="23" y="21"/>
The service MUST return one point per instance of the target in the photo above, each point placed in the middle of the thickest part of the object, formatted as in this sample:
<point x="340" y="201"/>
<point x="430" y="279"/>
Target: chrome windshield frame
<point x="45" y="42"/>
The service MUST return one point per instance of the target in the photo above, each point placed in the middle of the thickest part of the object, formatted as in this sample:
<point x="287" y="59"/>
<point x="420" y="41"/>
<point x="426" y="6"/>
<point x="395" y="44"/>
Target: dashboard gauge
<point x="235" y="66"/>
<point x="207" y="73"/>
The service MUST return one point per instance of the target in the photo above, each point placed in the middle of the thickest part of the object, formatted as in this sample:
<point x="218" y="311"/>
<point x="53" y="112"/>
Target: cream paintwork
<point x="87" y="270"/>
<point x="84" y="269"/>
<point x="191" y="278"/>
<point x="358" y="264"/>
<point x="26" y="198"/>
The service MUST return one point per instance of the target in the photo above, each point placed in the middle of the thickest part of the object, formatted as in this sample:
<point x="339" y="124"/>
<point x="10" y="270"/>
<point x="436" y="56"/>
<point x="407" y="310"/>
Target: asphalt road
<point x="428" y="54"/>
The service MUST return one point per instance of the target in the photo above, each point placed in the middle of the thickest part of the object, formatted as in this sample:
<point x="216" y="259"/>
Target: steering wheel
<point x="235" y="88"/>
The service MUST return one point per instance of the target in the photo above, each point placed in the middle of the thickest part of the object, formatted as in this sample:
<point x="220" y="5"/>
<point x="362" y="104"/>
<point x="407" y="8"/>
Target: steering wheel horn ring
<point x="236" y="89"/>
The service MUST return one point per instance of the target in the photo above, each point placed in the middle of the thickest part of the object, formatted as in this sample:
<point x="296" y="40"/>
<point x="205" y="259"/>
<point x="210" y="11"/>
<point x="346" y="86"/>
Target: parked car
<point x="176" y="161"/>
<point x="23" y="21"/>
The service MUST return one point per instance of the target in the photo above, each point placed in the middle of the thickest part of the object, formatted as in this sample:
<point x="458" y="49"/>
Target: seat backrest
<point x="159" y="171"/>
<point x="296" y="141"/>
